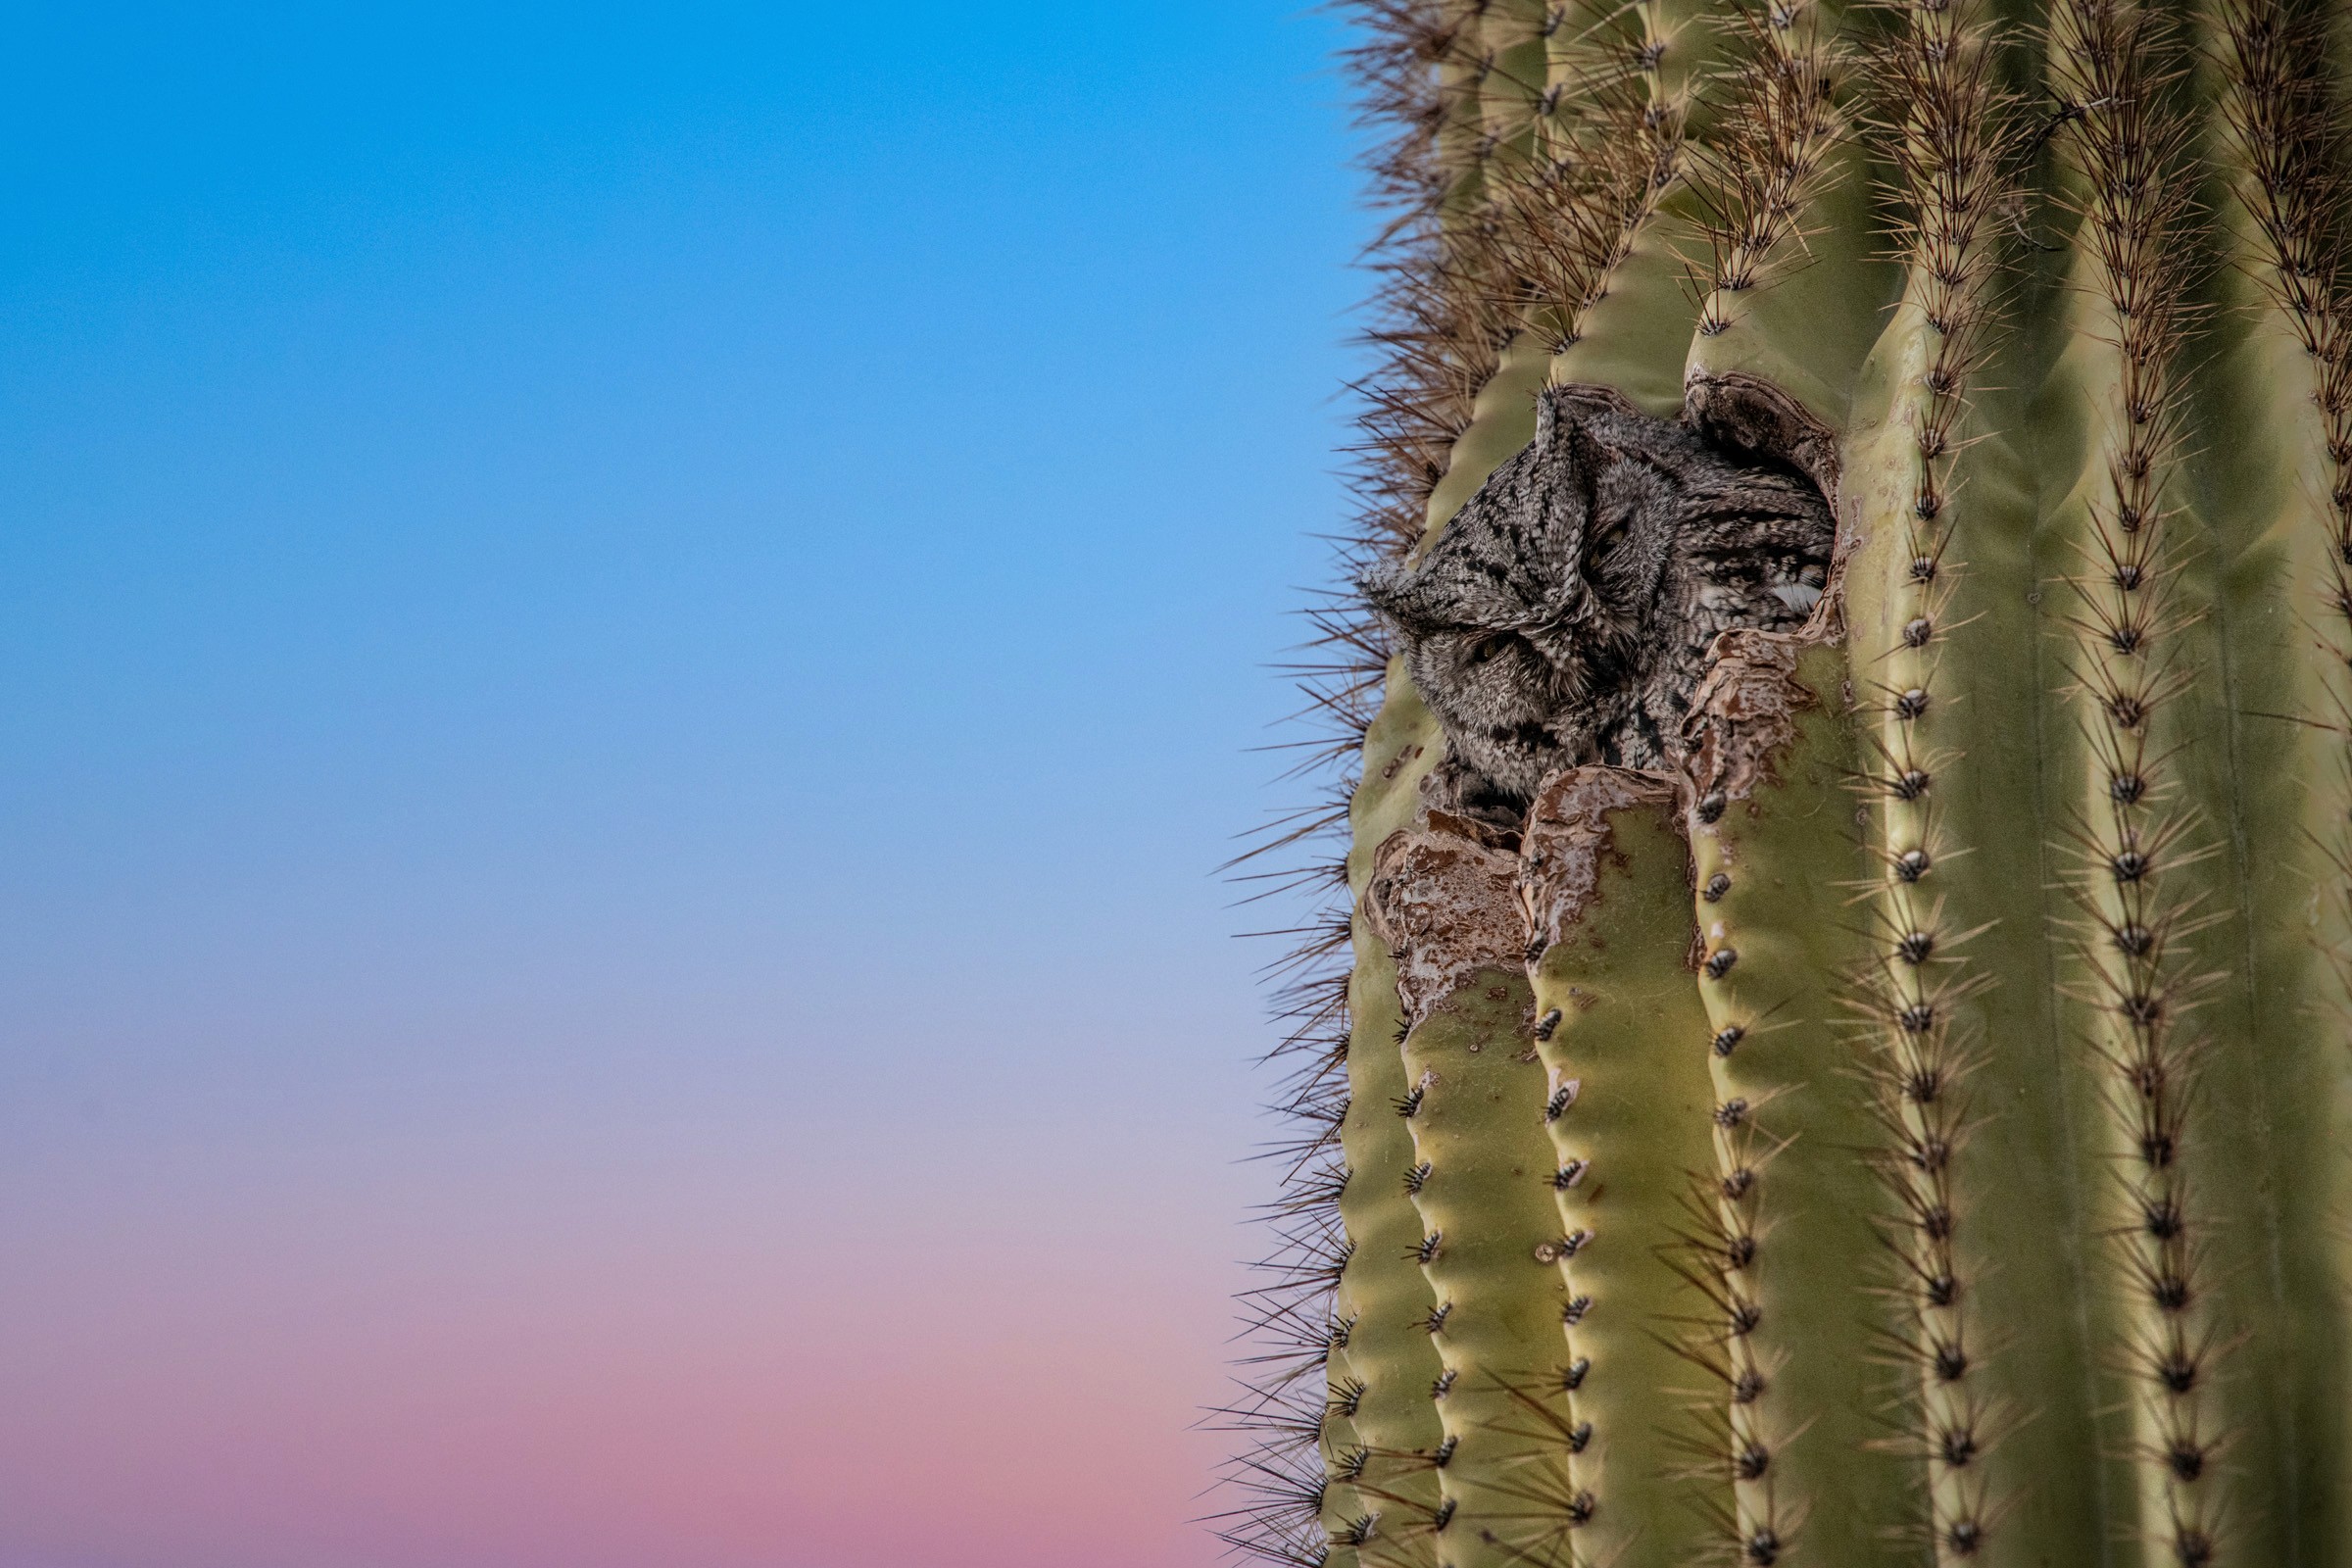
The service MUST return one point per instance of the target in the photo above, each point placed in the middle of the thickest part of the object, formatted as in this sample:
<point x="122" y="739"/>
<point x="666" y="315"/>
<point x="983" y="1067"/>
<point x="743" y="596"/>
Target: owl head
<point x="1550" y="602"/>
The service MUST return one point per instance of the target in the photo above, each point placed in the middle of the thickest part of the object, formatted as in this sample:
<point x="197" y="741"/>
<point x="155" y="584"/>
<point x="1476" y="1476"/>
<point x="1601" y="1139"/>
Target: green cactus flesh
<point x="1917" y="1127"/>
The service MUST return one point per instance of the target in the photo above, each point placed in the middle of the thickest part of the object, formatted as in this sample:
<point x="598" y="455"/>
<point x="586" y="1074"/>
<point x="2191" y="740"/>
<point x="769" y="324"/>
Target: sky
<point x="629" y="636"/>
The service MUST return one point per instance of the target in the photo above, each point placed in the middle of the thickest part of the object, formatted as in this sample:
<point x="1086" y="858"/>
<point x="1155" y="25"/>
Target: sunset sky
<point x="628" y="638"/>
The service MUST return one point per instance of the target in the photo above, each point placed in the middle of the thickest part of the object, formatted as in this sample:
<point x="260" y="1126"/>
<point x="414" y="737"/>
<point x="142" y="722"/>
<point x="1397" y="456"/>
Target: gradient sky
<point x="627" y="638"/>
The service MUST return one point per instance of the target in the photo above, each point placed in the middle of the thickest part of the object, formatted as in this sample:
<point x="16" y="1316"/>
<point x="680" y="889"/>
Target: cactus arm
<point x="1606" y="880"/>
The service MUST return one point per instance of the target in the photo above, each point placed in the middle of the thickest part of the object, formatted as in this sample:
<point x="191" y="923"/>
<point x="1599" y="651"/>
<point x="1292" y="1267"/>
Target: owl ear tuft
<point x="1403" y="596"/>
<point x="1549" y="414"/>
<point x="1563" y="425"/>
<point x="1587" y="456"/>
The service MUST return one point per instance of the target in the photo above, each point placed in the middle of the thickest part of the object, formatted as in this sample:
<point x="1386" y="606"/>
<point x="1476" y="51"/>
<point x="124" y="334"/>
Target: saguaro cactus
<point x="1910" y="1123"/>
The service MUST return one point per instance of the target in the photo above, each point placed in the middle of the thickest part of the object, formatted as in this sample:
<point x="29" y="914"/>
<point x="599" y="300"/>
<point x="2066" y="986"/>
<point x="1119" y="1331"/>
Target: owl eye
<point x="1487" y="648"/>
<point x="1611" y="535"/>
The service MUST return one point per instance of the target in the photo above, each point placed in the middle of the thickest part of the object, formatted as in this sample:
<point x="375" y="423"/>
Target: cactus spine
<point x="1917" y="1129"/>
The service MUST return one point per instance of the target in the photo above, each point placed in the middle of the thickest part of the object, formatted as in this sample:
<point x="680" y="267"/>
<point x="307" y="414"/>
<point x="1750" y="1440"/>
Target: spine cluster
<point x="2127" y="140"/>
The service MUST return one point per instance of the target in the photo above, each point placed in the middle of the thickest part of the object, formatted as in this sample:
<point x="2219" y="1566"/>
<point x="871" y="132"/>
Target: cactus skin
<point x="1956" y="1167"/>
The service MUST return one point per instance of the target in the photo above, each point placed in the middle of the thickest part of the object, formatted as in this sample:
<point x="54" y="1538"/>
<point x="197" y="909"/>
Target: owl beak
<point x="1567" y="609"/>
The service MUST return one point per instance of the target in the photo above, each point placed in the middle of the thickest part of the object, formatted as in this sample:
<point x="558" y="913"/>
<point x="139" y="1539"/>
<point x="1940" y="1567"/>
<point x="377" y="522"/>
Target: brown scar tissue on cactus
<point x="1832" y="1041"/>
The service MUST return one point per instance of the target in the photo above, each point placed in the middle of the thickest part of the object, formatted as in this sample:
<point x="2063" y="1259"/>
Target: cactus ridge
<point x="1604" y="145"/>
<point x="1952" y="135"/>
<point x="2282" y="72"/>
<point x="1622" y="1142"/>
<point x="1437" y="332"/>
<point x="1755" y="174"/>
<point x="1775" y="1436"/>
<point x="2291" y="139"/>
<point x="2133" y="837"/>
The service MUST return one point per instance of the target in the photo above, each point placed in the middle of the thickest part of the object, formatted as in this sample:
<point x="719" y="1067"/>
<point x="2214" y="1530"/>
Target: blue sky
<point x="627" y="638"/>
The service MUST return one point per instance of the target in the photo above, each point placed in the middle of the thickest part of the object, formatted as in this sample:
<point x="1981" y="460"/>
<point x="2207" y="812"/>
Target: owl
<point x="1564" y="616"/>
